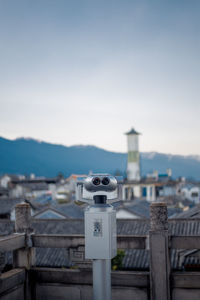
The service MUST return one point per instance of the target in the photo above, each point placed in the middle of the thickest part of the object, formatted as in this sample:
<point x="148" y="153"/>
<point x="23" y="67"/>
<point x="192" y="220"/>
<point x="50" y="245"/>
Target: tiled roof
<point x="49" y="213"/>
<point x="35" y="186"/>
<point x="124" y="226"/>
<point x="137" y="206"/>
<point x="7" y="204"/>
<point x="71" y="210"/>
<point x="132" y="131"/>
<point x="4" y="191"/>
<point x="59" y="226"/>
<point x="193" y="212"/>
<point x="190" y="185"/>
<point x="36" y="180"/>
<point x="54" y="257"/>
<point x="193" y="258"/>
<point x="6" y="227"/>
<point x="136" y="259"/>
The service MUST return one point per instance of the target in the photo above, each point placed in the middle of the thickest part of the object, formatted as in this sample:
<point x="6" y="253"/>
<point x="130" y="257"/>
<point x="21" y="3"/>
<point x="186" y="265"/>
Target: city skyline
<point x="86" y="72"/>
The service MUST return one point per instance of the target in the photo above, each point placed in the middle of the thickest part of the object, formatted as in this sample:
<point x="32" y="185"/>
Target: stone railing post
<point x="159" y="252"/>
<point x="24" y="258"/>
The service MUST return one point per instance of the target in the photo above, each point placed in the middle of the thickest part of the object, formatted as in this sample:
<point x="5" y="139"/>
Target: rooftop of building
<point x="132" y="131"/>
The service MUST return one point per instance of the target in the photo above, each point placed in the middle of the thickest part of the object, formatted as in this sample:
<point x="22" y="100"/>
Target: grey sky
<point x="84" y="72"/>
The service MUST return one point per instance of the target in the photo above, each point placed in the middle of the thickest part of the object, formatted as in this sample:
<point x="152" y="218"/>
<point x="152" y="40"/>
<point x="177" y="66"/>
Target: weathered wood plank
<point x="11" y="279"/>
<point x="185" y="280"/>
<point x="131" y="242"/>
<point x="130" y="278"/>
<point x="84" y="276"/>
<point x="185" y="242"/>
<point x="57" y="241"/>
<point x="12" y="242"/>
<point x="84" y="292"/>
<point x="66" y="241"/>
<point x="185" y="294"/>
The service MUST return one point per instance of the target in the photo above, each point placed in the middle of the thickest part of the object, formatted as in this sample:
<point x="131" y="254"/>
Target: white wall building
<point x="4" y="181"/>
<point x="191" y="192"/>
<point x="125" y="214"/>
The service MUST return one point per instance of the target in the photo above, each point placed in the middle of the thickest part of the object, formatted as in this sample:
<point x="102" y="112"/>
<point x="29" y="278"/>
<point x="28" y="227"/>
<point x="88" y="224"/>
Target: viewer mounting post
<point x="100" y="228"/>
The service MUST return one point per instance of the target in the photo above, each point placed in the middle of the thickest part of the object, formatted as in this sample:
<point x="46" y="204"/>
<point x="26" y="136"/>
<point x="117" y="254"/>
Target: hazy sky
<point x="86" y="71"/>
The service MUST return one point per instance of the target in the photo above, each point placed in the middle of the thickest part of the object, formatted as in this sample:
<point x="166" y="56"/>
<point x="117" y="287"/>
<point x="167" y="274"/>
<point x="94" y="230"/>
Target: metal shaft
<point x="101" y="279"/>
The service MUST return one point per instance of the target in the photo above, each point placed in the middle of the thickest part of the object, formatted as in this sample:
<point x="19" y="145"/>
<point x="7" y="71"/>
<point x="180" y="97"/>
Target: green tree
<point x="117" y="260"/>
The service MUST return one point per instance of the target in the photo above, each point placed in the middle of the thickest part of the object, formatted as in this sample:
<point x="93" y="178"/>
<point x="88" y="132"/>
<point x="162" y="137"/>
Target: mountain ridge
<point x="28" y="155"/>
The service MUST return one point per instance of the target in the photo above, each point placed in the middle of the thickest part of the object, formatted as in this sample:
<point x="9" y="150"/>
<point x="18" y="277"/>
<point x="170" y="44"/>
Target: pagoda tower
<point x="133" y="163"/>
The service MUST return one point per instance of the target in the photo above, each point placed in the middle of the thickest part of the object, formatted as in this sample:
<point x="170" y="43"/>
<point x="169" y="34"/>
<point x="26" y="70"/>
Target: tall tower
<point x="133" y="164"/>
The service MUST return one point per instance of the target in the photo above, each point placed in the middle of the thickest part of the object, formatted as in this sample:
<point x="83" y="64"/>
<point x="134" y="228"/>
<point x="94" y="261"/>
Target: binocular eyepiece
<point x="100" y="182"/>
<point x="108" y="186"/>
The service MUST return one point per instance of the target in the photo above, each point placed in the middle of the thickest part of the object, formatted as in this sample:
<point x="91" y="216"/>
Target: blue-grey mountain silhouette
<point x="25" y="156"/>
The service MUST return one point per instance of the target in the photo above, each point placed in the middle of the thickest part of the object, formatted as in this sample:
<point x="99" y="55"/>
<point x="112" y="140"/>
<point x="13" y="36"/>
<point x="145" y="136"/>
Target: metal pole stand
<point x="100" y="245"/>
<point x="102" y="279"/>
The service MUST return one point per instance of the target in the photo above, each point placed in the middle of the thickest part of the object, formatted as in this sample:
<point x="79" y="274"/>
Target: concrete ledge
<point x="16" y="293"/>
<point x="84" y="292"/>
<point x="75" y="240"/>
<point x="11" y="279"/>
<point x="185" y="294"/>
<point x="12" y="242"/>
<point x="186" y="280"/>
<point x="84" y="276"/>
<point x="185" y="242"/>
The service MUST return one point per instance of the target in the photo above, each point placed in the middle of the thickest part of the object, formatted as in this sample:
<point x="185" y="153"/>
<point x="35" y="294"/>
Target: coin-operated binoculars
<point x="100" y="228"/>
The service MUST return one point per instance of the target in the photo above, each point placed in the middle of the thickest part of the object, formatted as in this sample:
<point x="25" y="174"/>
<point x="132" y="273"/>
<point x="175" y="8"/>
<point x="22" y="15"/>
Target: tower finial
<point x="132" y="131"/>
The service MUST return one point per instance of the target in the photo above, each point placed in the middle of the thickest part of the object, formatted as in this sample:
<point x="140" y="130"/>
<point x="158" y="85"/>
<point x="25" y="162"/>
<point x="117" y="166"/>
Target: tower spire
<point x="133" y="163"/>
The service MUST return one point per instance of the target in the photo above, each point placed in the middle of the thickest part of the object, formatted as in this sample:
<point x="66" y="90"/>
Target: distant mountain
<point x="25" y="156"/>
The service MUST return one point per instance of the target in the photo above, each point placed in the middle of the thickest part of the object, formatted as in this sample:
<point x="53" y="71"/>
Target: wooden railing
<point x="75" y="240"/>
<point x="185" y="242"/>
<point x="159" y="280"/>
